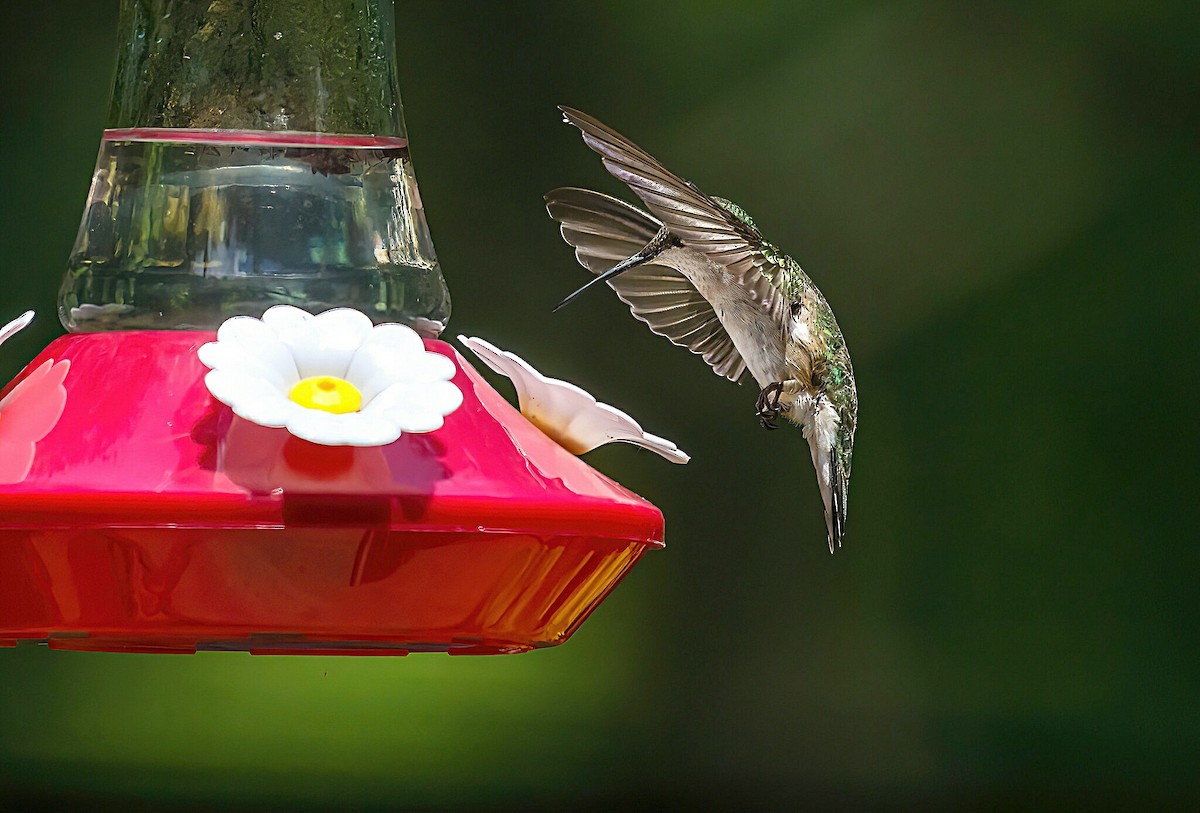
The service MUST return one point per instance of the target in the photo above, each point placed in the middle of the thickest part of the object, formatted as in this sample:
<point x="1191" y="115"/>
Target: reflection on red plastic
<point x="152" y="519"/>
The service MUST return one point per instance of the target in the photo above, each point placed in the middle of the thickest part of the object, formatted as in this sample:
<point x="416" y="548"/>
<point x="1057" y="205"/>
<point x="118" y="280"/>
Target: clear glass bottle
<point x="255" y="155"/>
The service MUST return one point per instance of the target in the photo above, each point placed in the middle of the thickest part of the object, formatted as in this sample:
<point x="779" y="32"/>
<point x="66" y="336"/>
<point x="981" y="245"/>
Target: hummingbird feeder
<point x="251" y="437"/>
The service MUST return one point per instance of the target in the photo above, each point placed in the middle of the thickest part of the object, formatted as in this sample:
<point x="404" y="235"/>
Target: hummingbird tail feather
<point x="837" y="519"/>
<point x="820" y="427"/>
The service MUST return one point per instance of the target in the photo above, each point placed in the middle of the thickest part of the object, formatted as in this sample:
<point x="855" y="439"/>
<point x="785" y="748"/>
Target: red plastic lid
<point x="142" y="443"/>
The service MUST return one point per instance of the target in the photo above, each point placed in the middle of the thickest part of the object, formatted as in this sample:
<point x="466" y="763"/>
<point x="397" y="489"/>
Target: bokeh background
<point x="1001" y="203"/>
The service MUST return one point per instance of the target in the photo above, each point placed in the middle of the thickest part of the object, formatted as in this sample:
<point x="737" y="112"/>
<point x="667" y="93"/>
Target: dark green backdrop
<point x="1002" y="207"/>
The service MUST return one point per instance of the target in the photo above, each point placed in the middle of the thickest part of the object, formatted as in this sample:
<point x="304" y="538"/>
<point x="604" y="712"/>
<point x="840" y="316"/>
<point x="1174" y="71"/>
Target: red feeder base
<point x="151" y="519"/>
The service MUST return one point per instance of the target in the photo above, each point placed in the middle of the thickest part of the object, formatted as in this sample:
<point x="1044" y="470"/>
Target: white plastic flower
<point x="333" y="379"/>
<point x="569" y="415"/>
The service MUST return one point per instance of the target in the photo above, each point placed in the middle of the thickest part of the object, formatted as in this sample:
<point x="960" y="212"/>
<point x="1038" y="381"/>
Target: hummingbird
<point x="698" y="272"/>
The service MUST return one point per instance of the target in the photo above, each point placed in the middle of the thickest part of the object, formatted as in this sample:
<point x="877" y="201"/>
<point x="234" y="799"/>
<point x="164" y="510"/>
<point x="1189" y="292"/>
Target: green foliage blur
<point x="999" y="200"/>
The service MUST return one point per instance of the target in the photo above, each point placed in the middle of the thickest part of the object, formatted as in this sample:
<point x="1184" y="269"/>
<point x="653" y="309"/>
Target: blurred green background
<point x="1001" y="204"/>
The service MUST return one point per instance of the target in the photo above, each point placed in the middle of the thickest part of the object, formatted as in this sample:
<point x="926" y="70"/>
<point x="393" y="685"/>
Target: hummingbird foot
<point x="768" y="405"/>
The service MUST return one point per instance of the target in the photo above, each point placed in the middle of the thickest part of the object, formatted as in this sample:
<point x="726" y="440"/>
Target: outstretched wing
<point x="604" y="231"/>
<point x="697" y="219"/>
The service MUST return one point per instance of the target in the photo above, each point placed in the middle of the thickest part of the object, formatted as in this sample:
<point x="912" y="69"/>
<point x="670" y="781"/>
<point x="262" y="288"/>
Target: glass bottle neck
<point x="315" y="66"/>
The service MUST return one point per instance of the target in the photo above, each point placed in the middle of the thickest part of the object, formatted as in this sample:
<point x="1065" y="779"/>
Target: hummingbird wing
<point x="604" y="231"/>
<point x="694" y="217"/>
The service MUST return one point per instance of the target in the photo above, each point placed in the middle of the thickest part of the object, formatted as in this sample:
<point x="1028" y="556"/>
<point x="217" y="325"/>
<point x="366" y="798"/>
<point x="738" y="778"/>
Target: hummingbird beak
<point x="624" y="265"/>
<point x="661" y="241"/>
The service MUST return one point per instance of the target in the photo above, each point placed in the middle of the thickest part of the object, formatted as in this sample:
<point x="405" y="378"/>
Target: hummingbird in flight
<point x="697" y="271"/>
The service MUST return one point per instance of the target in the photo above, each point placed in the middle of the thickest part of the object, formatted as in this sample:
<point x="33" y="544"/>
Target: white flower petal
<point x="15" y="326"/>
<point x="663" y="447"/>
<point x="418" y="421"/>
<point x="529" y="382"/>
<point x="251" y="397"/>
<point x="325" y="344"/>
<point x="363" y="430"/>
<point x="608" y="424"/>
<point x="244" y="329"/>
<point x="284" y="317"/>
<point x="343" y="326"/>
<point x="429" y="367"/>
<point x="305" y="349"/>
<point x="372" y="371"/>
<point x="400" y="339"/>
<point x="565" y="412"/>
<point x="432" y="397"/>
<point x="351" y="429"/>
<point x="229" y="357"/>
<point x="376" y="367"/>
<point x="525" y="379"/>
<point x="485" y="351"/>
<point x="417" y="407"/>
<point x="607" y="421"/>
<point x="250" y="338"/>
<point x="314" y="425"/>
<point x="442" y="397"/>
<point x="310" y="357"/>
<point x="562" y="410"/>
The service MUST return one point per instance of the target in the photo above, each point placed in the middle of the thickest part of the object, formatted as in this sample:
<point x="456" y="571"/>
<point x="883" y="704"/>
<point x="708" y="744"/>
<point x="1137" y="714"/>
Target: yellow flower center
<point x="327" y="392"/>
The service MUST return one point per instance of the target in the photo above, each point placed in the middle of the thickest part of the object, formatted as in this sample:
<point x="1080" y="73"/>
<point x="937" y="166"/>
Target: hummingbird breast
<point x="802" y="343"/>
<point x="756" y="333"/>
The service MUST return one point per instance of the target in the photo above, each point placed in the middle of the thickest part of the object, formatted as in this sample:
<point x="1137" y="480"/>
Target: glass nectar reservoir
<point x="255" y="155"/>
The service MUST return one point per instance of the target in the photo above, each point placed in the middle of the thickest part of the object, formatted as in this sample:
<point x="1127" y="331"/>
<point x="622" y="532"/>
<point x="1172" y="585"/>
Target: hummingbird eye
<point x="796" y="308"/>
